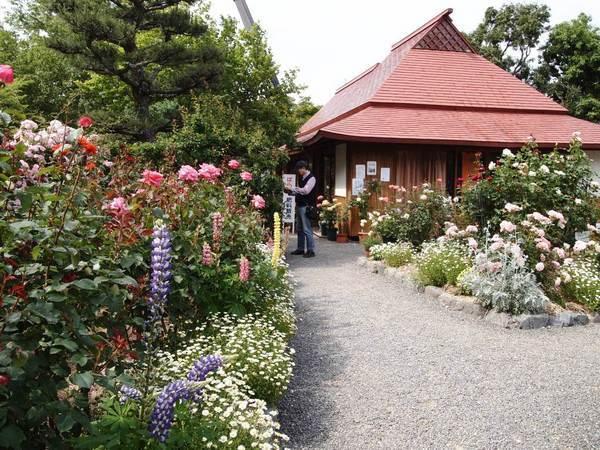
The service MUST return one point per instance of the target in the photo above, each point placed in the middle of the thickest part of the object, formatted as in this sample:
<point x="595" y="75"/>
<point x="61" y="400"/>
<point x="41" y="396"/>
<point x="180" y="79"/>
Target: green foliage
<point x="414" y="217"/>
<point x="560" y="180"/>
<point x="393" y="254"/>
<point x="582" y="282"/>
<point x="570" y="67"/>
<point x="441" y="263"/>
<point x="371" y="240"/>
<point x="158" y="50"/>
<point x="508" y="35"/>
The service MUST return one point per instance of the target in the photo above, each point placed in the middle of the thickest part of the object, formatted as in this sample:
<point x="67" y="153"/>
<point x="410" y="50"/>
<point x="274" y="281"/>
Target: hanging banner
<point x="289" y="201"/>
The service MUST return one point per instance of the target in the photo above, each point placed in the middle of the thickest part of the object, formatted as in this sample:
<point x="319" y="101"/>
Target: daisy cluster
<point x="581" y="282"/>
<point x="441" y="262"/>
<point x="394" y="254"/>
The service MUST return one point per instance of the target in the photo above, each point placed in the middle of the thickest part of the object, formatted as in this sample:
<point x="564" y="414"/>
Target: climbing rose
<point x="209" y="172"/>
<point x="246" y="176"/>
<point x="539" y="266"/>
<point x="188" y="173"/>
<point x="244" y="269"/>
<point x="7" y="75"/>
<point x="151" y="178"/>
<point x="233" y="164"/>
<point x="85" y="122"/>
<point x="507" y="226"/>
<point x="258" y="202"/>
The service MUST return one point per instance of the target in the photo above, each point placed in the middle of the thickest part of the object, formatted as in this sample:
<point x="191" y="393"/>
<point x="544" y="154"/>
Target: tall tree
<point x="570" y="67"/>
<point x="155" y="47"/>
<point x="507" y="36"/>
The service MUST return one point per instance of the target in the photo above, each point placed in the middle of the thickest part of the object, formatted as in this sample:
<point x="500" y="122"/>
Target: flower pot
<point x="324" y="228"/>
<point x="362" y="235"/>
<point x="331" y="234"/>
<point x="342" y="238"/>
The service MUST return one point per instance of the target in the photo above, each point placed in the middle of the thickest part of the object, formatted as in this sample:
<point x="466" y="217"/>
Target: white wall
<point x="340" y="170"/>
<point x="595" y="157"/>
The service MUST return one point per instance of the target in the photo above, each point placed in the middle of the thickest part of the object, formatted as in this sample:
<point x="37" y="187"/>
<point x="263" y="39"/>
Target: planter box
<point x="331" y="234"/>
<point x="342" y="238"/>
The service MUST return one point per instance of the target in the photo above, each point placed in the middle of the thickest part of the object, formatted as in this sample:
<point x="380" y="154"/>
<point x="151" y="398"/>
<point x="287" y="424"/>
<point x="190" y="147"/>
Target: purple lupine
<point x="160" y="279"/>
<point x="204" y="366"/>
<point x="161" y="419"/>
<point x="129" y="393"/>
<point x="163" y="414"/>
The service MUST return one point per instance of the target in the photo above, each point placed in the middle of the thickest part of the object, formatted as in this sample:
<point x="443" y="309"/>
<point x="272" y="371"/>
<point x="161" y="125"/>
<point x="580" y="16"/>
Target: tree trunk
<point x="142" y="105"/>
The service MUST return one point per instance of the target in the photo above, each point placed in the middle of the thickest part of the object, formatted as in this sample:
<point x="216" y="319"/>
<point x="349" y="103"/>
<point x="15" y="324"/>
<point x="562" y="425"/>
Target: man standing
<point x="305" y="197"/>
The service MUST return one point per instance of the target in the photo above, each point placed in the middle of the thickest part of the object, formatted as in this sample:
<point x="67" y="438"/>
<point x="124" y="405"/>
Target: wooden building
<point x="425" y="112"/>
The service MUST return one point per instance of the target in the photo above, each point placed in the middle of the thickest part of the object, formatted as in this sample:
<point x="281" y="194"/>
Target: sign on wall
<point x="371" y="167"/>
<point x="288" y="214"/>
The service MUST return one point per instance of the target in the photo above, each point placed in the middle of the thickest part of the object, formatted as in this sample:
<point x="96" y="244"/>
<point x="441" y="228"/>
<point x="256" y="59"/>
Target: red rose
<point x="87" y="146"/>
<point x="85" y="122"/>
<point x="69" y="277"/>
<point x="4" y="379"/>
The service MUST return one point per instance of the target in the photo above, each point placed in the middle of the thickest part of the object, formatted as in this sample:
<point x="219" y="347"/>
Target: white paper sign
<point x="360" y="171"/>
<point x="371" y="167"/>
<point x="358" y="185"/>
<point x="385" y="174"/>
<point x="288" y="214"/>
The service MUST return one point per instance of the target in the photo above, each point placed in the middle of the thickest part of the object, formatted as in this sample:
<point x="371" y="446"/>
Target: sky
<point x="329" y="42"/>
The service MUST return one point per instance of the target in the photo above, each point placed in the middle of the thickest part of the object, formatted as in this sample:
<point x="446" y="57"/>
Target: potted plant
<point x="328" y="217"/>
<point x="369" y="241"/>
<point x="342" y="236"/>
<point x="363" y="233"/>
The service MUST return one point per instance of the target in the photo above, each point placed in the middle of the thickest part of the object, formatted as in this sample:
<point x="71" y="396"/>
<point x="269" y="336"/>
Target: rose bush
<point x="75" y="229"/>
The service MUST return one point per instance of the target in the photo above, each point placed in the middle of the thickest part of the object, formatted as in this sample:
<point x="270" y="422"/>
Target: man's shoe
<point x="309" y="254"/>
<point x="298" y="252"/>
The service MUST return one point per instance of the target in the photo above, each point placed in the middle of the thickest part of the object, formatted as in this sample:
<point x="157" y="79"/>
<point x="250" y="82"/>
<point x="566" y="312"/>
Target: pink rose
<point x="85" y="122"/>
<point x="233" y="164"/>
<point x="246" y="176"/>
<point x="209" y="172"/>
<point x="258" y="202"/>
<point x="7" y="75"/>
<point x="117" y="207"/>
<point x="151" y="178"/>
<point x="188" y="173"/>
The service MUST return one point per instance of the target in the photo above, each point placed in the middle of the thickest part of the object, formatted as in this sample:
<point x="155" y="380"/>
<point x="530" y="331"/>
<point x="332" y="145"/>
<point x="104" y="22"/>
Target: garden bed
<point x="470" y="305"/>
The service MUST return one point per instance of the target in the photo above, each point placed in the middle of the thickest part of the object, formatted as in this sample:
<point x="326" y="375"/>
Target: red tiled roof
<point x="434" y="88"/>
<point x="487" y="128"/>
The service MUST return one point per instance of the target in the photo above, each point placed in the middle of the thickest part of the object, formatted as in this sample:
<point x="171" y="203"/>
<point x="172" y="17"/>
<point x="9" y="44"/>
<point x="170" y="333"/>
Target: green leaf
<point x="85" y="284"/>
<point x="84" y="379"/>
<point x="45" y="310"/>
<point x="125" y="281"/>
<point x="11" y="436"/>
<point x="66" y="343"/>
<point x="17" y="226"/>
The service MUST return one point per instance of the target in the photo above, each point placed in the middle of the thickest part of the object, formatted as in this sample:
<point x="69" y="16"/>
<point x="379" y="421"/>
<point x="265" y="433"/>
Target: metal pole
<point x="248" y="22"/>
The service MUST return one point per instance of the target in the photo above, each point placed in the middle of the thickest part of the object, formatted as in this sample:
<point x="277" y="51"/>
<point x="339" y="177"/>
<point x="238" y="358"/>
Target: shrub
<point x="256" y="352"/>
<point x="441" y="262"/>
<point x="371" y="240"/>
<point x="393" y="254"/>
<point x="560" y="180"/>
<point x="581" y="282"/>
<point x="501" y="280"/>
<point x="414" y="216"/>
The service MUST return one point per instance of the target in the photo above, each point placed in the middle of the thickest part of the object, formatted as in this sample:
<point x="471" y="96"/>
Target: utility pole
<point x="248" y="22"/>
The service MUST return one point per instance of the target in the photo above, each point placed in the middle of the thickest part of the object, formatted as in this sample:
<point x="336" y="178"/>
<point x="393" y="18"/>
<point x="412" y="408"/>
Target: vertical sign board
<point x="289" y="201"/>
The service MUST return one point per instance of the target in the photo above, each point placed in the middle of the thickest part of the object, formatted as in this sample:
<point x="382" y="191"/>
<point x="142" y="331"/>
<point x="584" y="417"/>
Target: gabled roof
<point x="435" y="69"/>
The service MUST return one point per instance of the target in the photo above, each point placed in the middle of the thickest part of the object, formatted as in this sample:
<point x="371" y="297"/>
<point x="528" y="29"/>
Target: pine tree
<point x="155" y="47"/>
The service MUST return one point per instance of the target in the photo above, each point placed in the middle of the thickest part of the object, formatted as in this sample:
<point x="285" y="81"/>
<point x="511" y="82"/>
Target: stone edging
<point x="470" y="305"/>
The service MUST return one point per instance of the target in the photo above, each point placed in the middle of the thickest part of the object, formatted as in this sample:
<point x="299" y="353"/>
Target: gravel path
<point x="378" y="367"/>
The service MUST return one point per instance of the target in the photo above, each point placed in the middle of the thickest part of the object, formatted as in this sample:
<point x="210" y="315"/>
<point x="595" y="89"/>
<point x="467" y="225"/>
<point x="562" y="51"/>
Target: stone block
<point x="533" y="321"/>
<point x="433" y="291"/>
<point x="503" y="319"/>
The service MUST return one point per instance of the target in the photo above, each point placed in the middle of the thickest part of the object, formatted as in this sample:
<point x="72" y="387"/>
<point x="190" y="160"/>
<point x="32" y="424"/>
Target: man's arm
<point x="307" y="189"/>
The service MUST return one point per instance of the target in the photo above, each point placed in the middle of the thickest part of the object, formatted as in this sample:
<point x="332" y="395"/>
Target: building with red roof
<point x="426" y="111"/>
